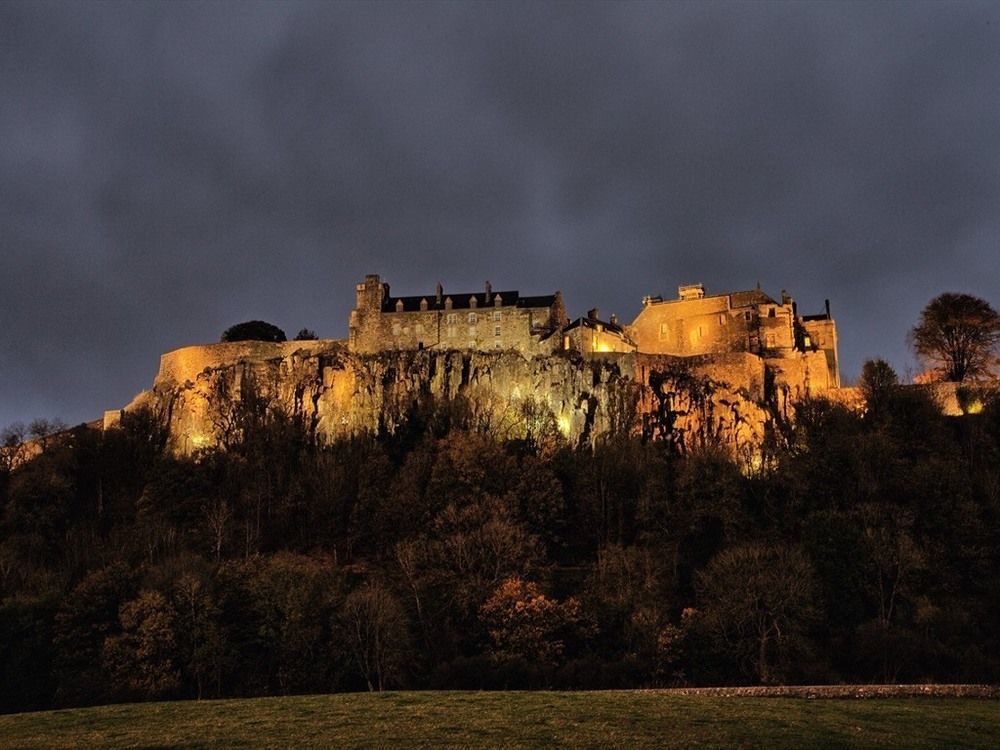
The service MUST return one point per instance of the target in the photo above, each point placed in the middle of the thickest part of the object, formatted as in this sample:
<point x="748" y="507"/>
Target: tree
<point x="958" y="335"/>
<point x="878" y="382"/>
<point x="757" y="601"/>
<point x="523" y="622"/>
<point x="375" y="628"/>
<point x="142" y="659"/>
<point x="253" y="330"/>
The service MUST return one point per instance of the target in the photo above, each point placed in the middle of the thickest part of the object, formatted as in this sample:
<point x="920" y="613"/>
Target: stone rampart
<point x="710" y="399"/>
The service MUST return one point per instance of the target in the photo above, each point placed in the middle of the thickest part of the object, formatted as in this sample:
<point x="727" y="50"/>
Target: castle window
<point x="396" y="329"/>
<point x="452" y="318"/>
<point x="497" y="345"/>
<point x="419" y="328"/>
<point x="472" y="331"/>
<point x="770" y="313"/>
<point x="473" y="318"/>
<point x="496" y="330"/>
<point x="472" y="344"/>
<point x="423" y="304"/>
<point x="473" y="301"/>
<point x="747" y="316"/>
<point x="496" y="315"/>
<point x="451" y="332"/>
<point x="722" y="319"/>
<point x="447" y="303"/>
<point x="399" y="305"/>
<point x="664" y="330"/>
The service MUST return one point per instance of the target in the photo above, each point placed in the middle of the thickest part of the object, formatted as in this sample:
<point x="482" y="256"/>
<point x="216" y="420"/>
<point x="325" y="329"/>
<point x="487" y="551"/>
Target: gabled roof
<point x="750" y="298"/>
<point x="747" y="298"/>
<point x="460" y="301"/>
<point x="587" y="322"/>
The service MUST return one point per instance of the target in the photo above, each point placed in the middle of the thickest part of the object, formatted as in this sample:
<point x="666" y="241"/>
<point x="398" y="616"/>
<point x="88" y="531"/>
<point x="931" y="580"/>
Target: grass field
<point x="533" y="720"/>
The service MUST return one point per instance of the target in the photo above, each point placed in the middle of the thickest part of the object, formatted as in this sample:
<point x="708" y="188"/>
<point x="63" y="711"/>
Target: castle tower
<point x="365" y="317"/>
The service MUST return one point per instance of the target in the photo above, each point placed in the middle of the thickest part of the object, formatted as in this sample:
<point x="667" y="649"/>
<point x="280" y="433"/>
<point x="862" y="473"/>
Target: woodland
<point x="861" y="546"/>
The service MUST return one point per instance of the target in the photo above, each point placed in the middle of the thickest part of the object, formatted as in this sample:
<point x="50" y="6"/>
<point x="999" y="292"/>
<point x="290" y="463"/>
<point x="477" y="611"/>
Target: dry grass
<point x="540" y="719"/>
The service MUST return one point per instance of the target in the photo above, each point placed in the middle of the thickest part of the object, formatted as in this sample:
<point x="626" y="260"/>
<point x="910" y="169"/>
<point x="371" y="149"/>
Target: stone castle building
<point x="591" y="335"/>
<point x="696" y="324"/>
<point x="470" y="320"/>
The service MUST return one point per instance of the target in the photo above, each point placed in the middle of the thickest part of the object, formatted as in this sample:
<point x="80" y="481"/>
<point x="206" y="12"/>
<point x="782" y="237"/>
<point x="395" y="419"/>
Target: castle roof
<point x="747" y="298"/>
<point x="588" y="322"/>
<point x="460" y="301"/>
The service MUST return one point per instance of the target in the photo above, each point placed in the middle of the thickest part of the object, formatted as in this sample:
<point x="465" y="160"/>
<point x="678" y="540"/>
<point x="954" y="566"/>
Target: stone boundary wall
<point x="842" y="691"/>
<point x="188" y="362"/>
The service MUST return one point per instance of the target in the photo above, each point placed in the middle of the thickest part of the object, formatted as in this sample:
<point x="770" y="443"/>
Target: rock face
<point x="725" y="399"/>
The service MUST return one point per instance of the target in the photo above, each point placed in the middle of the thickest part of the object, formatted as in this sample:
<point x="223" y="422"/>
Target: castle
<point x="695" y="324"/>
<point x="698" y="369"/>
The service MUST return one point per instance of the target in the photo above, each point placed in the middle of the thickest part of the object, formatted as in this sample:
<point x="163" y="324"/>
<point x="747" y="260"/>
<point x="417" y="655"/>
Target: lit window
<point x="472" y="318"/>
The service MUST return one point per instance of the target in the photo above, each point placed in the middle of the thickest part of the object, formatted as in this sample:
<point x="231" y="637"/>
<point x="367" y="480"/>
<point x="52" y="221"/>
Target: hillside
<point x="472" y="543"/>
<point x="515" y="720"/>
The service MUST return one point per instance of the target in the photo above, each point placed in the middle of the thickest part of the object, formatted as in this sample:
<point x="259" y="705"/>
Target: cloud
<point x="167" y="170"/>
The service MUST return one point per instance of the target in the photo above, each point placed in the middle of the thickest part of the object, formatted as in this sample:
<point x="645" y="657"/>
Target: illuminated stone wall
<point x="712" y="325"/>
<point x="338" y="393"/>
<point x="448" y="321"/>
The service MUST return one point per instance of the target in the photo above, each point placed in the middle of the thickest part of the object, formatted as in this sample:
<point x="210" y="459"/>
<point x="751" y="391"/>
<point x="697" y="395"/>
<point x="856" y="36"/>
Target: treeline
<point x="854" y="547"/>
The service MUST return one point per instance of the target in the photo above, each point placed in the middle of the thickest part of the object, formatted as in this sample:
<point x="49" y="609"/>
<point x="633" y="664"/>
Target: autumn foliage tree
<point x="523" y="622"/>
<point x="958" y="336"/>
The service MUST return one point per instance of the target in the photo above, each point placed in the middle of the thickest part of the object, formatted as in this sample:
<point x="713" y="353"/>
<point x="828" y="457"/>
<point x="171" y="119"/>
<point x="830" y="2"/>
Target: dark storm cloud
<point x="168" y="169"/>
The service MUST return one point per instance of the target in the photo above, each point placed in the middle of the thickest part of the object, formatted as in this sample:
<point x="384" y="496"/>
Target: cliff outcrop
<point x="728" y="399"/>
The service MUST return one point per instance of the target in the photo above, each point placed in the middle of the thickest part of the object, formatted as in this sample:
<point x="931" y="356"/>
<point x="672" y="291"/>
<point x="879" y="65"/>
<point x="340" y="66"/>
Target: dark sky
<point x="169" y="169"/>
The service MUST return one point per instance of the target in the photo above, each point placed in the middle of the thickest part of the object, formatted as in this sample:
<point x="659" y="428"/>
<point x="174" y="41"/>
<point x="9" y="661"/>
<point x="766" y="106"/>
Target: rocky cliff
<point x="728" y="399"/>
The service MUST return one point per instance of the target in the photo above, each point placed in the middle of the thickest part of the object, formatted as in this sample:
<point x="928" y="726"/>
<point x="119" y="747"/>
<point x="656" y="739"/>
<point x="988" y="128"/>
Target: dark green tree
<point x="253" y="330"/>
<point x="958" y="336"/>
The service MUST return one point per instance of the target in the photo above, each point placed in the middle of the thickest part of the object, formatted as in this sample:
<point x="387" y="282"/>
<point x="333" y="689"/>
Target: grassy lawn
<point x="456" y="719"/>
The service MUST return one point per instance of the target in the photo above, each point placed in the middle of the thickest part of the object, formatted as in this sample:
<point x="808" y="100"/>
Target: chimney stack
<point x="439" y="293"/>
<point x="613" y="320"/>
<point x="593" y="313"/>
<point x="489" y="291"/>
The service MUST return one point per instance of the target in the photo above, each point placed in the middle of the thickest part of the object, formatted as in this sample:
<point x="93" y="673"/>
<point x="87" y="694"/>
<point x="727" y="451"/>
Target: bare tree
<point x="13" y="450"/>
<point x="376" y="631"/>
<point x="756" y="601"/>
